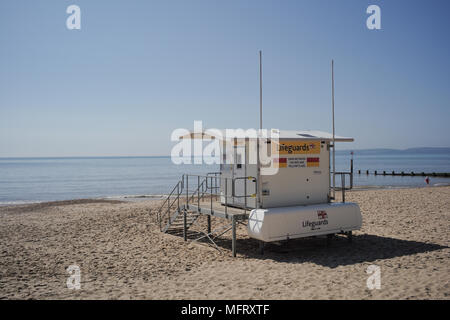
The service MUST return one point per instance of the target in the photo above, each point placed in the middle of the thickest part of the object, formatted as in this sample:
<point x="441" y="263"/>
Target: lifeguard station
<point x="294" y="201"/>
<point x="291" y="195"/>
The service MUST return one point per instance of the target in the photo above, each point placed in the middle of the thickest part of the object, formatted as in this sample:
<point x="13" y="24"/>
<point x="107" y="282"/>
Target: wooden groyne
<point x="404" y="173"/>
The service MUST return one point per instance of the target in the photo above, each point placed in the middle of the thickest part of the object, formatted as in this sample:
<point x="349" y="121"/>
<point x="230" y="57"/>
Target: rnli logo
<point x="322" y="214"/>
<point x="322" y="220"/>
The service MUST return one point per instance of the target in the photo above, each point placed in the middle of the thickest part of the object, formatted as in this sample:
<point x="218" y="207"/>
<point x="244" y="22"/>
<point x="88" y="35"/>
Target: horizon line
<point x="168" y="156"/>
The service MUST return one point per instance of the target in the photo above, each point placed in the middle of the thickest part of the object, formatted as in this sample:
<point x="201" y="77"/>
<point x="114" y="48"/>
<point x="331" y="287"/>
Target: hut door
<point x="239" y="171"/>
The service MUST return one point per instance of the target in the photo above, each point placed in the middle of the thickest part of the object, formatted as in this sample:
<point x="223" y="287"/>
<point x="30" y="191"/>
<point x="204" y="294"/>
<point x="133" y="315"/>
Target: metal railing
<point x="216" y="186"/>
<point x="193" y="189"/>
<point x="350" y="176"/>
<point x="210" y="184"/>
<point x="342" y="188"/>
<point x="167" y="204"/>
<point x="212" y="177"/>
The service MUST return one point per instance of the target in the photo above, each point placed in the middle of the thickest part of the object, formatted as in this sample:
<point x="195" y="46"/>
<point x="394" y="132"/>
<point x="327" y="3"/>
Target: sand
<point x="123" y="255"/>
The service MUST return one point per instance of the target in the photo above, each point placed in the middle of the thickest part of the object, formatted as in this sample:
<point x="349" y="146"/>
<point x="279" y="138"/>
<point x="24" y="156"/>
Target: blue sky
<point x="137" y="70"/>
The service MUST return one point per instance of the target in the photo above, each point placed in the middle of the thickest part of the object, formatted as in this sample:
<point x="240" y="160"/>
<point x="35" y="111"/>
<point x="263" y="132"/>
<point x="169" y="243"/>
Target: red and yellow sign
<point x="294" y="162"/>
<point x="313" y="162"/>
<point x="296" y="147"/>
<point x="280" y="162"/>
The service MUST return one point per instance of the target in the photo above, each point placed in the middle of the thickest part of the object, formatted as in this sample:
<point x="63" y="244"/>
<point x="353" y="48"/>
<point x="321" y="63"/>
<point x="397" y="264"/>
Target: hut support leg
<point x="209" y="224"/>
<point x="261" y="247"/>
<point x="184" y="225"/>
<point x="233" y="242"/>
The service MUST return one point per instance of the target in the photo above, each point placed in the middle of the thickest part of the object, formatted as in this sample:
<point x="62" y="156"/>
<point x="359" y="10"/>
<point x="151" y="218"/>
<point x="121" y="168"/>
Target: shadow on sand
<point x="363" y="248"/>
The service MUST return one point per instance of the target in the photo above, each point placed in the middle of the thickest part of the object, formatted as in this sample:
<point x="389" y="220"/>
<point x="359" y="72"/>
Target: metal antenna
<point x="258" y="166"/>
<point x="332" y="112"/>
<point x="260" y="89"/>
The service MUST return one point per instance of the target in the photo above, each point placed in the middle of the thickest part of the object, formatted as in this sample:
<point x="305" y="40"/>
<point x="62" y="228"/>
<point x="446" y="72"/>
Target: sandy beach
<point x="123" y="255"/>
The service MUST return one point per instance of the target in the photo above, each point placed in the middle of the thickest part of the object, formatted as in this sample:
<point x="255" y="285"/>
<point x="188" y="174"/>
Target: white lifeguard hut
<point x="301" y="169"/>
<point x="289" y="194"/>
<point x="294" y="198"/>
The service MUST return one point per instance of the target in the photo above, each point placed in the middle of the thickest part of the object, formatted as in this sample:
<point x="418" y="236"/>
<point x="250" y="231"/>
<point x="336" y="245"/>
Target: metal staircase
<point x="171" y="213"/>
<point x="196" y="195"/>
<point x="177" y="225"/>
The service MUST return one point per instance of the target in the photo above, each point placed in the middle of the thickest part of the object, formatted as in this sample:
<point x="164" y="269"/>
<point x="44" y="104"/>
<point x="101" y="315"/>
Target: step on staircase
<point x="177" y="225"/>
<point x="171" y="212"/>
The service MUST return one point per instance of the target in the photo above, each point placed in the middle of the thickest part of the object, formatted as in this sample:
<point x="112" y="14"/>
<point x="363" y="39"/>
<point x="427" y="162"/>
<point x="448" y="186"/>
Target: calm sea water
<point x="24" y="180"/>
<point x="399" y="162"/>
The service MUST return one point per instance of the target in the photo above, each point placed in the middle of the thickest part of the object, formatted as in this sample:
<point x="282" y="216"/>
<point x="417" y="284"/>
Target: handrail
<point x="342" y="174"/>
<point x="233" y="181"/>
<point x="167" y="201"/>
<point x="342" y="188"/>
<point x="170" y="194"/>
<point x="199" y="192"/>
<point x="254" y="179"/>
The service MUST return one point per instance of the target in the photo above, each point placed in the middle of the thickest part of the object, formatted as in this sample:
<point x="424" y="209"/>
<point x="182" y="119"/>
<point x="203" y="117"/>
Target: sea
<point x="31" y="180"/>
